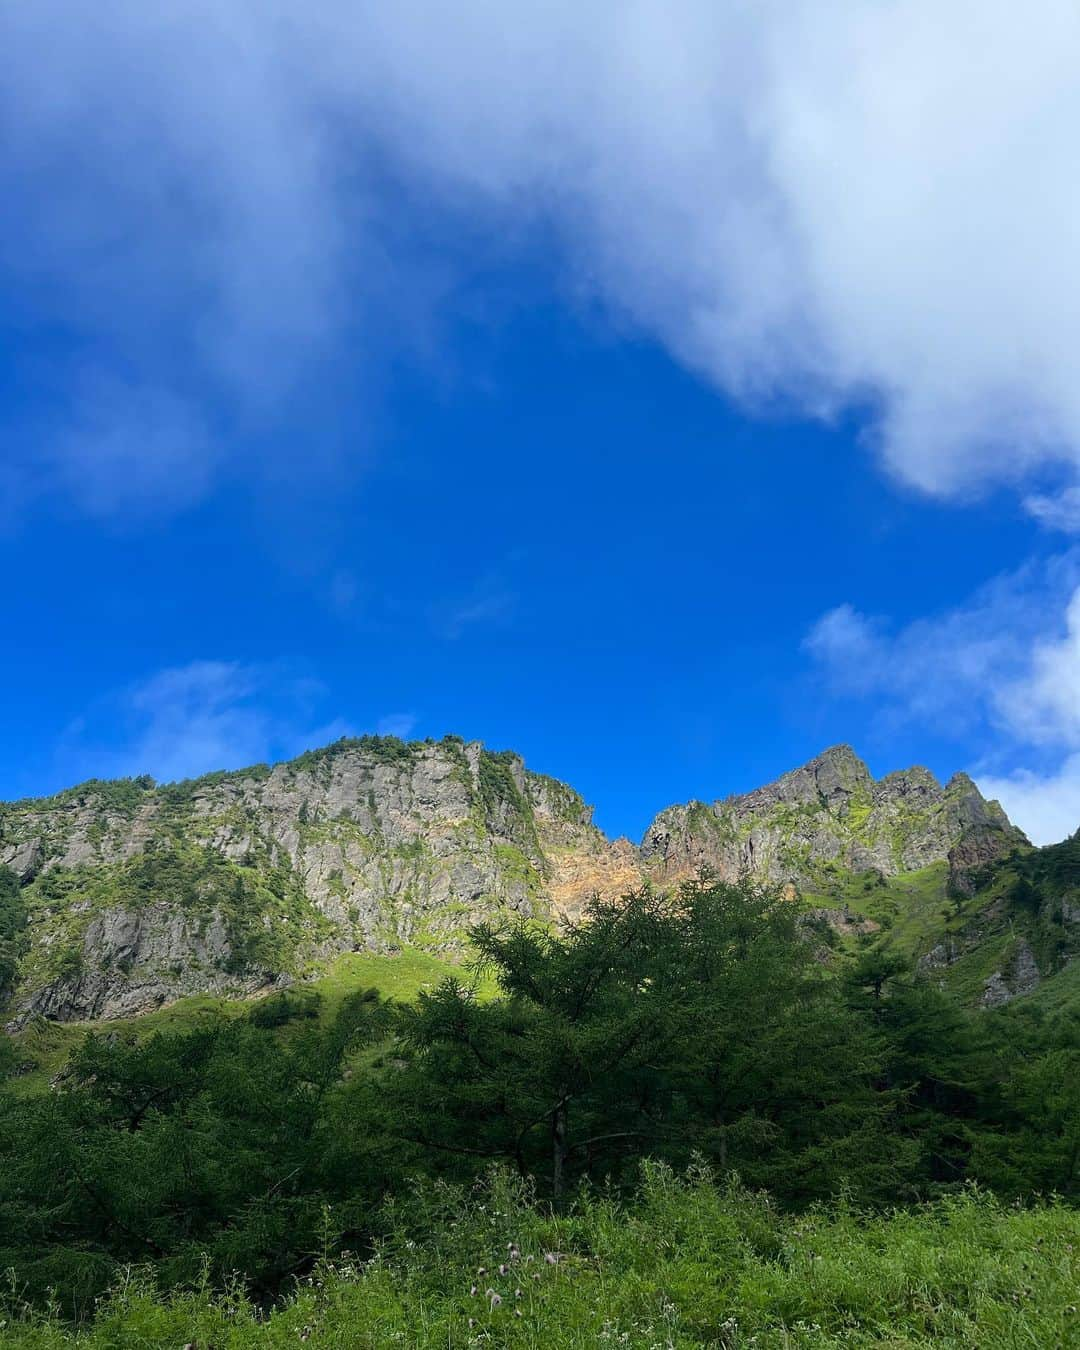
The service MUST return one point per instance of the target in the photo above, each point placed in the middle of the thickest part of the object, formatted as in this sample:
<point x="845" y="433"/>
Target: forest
<point x="665" y="1120"/>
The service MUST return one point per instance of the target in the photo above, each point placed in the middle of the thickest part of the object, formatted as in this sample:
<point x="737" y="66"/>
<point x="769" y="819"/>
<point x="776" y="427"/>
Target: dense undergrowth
<point x="685" y="1262"/>
<point x="319" y="1165"/>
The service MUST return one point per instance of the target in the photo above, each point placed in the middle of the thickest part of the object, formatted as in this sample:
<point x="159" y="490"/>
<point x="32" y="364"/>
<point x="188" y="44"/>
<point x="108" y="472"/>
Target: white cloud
<point x="953" y="669"/>
<point x="1061" y="512"/>
<point x="131" y="450"/>
<point x="1047" y="806"/>
<point x="861" y="203"/>
<point x="396" y="724"/>
<point x="1002" y="671"/>
<point x="189" y="720"/>
<point x="1042" y="706"/>
<point x="195" y="718"/>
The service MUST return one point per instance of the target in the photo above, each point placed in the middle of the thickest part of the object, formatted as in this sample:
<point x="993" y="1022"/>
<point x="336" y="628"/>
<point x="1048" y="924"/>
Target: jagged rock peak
<point x="135" y="893"/>
<point x="831" y="813"/>
<point x="831" y="777"/>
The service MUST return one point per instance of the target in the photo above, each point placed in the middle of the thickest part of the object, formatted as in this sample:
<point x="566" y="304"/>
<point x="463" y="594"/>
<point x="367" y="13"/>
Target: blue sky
<point x="661" y="395"/>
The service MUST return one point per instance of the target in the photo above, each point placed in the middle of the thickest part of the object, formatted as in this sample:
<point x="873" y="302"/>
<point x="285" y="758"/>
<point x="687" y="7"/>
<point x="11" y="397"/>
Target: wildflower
<point x="503" y="1269"/>
<point x="517" y="1293"/>
<point x="496" y="1299"/>
<point x="552" y="1258"/>
<point x="517" y="1312"/>
<point x="472" y="1323"/>
<point x="472" y="1290"/>
<point x="481" y="1270"/>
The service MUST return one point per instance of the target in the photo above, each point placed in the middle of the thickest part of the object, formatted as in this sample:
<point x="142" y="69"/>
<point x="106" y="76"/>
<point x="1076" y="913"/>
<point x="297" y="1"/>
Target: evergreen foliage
<point x="12" y="926"/>
<point x="683" y="1032"/>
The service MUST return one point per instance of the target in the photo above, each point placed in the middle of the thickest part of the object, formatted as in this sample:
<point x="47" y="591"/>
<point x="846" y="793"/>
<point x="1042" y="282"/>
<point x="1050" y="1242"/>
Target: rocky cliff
<point x="135" y="894"/>
<point x="132" y="894"/>
<point x="1014" y="925"/>
<point x="831" y="815"/>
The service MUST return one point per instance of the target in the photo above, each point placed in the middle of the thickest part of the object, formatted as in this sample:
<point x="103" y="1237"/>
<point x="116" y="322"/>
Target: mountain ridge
<point x="836" y="813"/>
<point x="134" y="894"/>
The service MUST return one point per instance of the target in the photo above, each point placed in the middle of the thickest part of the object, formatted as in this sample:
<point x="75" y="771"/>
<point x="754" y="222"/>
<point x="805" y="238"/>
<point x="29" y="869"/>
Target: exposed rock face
<point x="135" y="961"/>
<point x="843" y="921"/>
<point x="1017" y="927"/>
<point x="137" y="894"/>
<point x="829" y="814"/>
<point x="25" y="859"/>
<point x="1022" y="977"/>
<point x="369" y="844"/>
<point x="980" y="845"/>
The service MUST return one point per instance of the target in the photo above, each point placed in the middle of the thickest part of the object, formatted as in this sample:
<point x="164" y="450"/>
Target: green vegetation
<point x="702" y="820"/>
<point x="120" y="795"/>
<point x="40" y="1052"/>
<point x="516" y="866"/>
<point x="503" y="804"/>
<point x="380" y="749"/>
<point x="908" y="907"/>
<point x="724" y="1133"/>
<point x="179" y="795"/>
<point x="123" y="797"/>
<point x="566" y="804"/>
<point x="12" y="931"/>
<point x="1030" y="899"/>
<point x="336" y="1137"/>
<point x="685" y="1262"/>
<point x="401" y="977"/>
<point x="859" y="811"/>
<point x="263" y="909"/>
<point x="1039" y="890"/>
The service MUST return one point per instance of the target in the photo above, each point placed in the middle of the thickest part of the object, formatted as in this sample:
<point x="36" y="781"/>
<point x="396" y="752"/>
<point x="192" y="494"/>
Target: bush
<point x="279" y="1009"/>
<point x="687" y="1262"/>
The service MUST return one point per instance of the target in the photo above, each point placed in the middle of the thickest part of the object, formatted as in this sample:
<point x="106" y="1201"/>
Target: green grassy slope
<point x="686" y="1264"/>
<point x="43" y="1047"/>
<point x="1027" y="903"/>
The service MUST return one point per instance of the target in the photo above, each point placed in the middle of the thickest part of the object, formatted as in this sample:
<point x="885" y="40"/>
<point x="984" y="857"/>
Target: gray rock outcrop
<point x="1021" y="977"/>
<point x="137" y="894"/>
<point x="371" y="844"/>
<point x="830" y="814"/>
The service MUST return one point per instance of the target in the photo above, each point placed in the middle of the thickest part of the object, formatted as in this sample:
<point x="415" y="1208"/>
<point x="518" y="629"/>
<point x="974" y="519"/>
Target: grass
<point x="909" y="906"/>
<point x="1061" y="994"/>
<point x="400" y="977"/>
<point x="44" y="1046"/>
<point x="914" y="902"/>
<point x="687" y="1264"/>
<point x="916" y="912"/>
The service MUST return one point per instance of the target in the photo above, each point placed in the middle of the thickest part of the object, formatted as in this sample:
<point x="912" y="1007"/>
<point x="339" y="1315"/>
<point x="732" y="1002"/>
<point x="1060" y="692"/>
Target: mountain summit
<point x="131" y="894"/>
<point x="832" y="814"/>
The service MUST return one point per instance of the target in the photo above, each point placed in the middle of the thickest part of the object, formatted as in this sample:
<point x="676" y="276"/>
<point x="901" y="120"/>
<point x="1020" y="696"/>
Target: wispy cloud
<point x="853" y="204"/>
<point x="491" y="600"/>
<point x="130" y="450"/>
<point x="396" y="724"/>
<point x="1061" y="512"/>
<point x="1002" y="671"/>
<point x="192" y="719"/>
